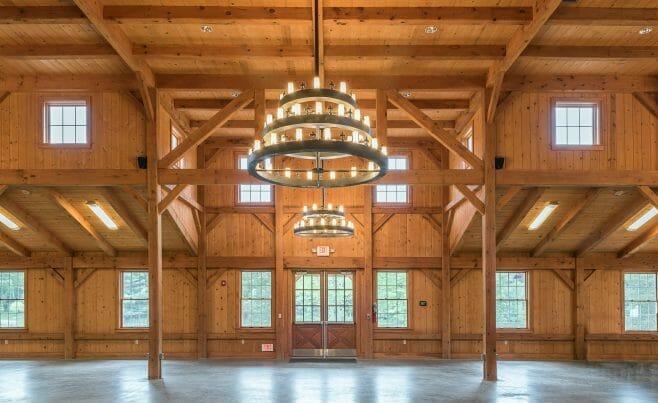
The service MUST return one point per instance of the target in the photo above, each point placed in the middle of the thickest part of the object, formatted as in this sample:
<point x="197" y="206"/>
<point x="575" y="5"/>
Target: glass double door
<point x="323" y="325"/>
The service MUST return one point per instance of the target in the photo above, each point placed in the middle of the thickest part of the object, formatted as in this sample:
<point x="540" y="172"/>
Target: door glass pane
<point x="307" y="298"/>
<point x="339" y="297"/>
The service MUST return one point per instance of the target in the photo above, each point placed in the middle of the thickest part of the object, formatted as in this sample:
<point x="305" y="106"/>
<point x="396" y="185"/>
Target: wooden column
<point x="580" y="347"/>
<point x="154" y="253"/>
<point x="69" y="309"/>
<point x="446" y="288"/>
<point x="259" y="113"/>
<point x="381" y="103"/>
<point x="489" y="255"/>
<point x="281" y="314"/>
<point x="367" y="297"/>
<point x="202" y="273"/>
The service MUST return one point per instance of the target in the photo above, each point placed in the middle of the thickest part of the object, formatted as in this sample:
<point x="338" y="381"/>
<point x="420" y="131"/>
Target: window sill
<point x="599" y="147"/>
<point x="66" y="146"/>
<point x="133" y="329"/>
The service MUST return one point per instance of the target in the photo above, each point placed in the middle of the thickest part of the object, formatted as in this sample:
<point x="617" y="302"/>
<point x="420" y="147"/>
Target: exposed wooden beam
<point x="439" y="134"/>
<point x="433" y="222"/>
<point x="457" y="201"/>
<point x="4" y="95"/>
<point x="274" y="81"/>
<point x="566" y="279"/>
<point x="638" y="242"/>
<point x="429" y="15"/>
<point x="214" y="222"/>
<point x="68" y="82"/>
<point x="530" y="200"/>
<point x="583" y="53"/>
<point x="471" y="197"/>
<point x="649" y="194"/>
<point x="317" y="11"/>
<point x="57" y="52"/>
<point x="35" y="225"/>
<point x="178" y="118"/>
<point x="649" y="101"/>
<point x="507" y="197"/>
<point x="374" y="124"/>
<point x="208" y="14"/>
<point x="72" y="177"/>
<point x="604" y="16"/>
<point x="221" y="51"/>
<point x="584" y="178"/>
<point x="13" y="245"/>
<point x="172" y="194"/>
<point x="191" y="241"/>
<point x="611" y="225"/>
<point x="439" y="52"/>
<point x="113" y="198"/>
<point x="581" y="83"/>
<point x="84" y="223"/>
<point x="568" y="219"/>
<point x="214" y="105"/>
<point x="115" y="36"/>
<point x="69" y="309"/>
<point x="135" y="195"/>
<point x="489" y="258"/>
<point x="266" y="220"/>
<point x="42" y="15"/>
<point x="521" y="38"/>
<point x="202" y="133"/>
<point x="465" y="119"/>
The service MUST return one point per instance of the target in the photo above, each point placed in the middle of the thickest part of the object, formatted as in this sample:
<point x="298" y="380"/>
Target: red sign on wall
<point x="267" y="347"/>
<point x="323" y="250"/>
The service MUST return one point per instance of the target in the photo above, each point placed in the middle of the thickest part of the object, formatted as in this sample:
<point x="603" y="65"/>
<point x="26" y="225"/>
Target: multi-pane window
<point x="134" y="299"/>
<point x="340" y="298"/>
<point x="307" y="298"/>
<point x="256" y="299"/>
<point x="66" y="123"/>
<point x="640" y="302"/>
<point x="253" y="193"/>
<point x="393" y="193"/>
<point x="576" y="123"/>
<point x="391" y="299"/>
<point x="12" y="299"/>
<point x="176" y="139"/>
<point x="511" y="300"/>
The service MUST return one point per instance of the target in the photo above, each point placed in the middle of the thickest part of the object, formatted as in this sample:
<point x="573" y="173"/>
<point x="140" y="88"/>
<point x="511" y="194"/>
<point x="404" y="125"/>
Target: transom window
<point x="66" y="122"/>
<point x="253" y="193"/>
<point x="393" y="193"/>
<point x="392" y="299"/>
<point x="511" y="300"/>
<point x="576" y="123"/>
<point x="640" y="302"/>
<point x="12" y="299"/>
<point x="134" y="299"/>
<point x="256" y="299"/>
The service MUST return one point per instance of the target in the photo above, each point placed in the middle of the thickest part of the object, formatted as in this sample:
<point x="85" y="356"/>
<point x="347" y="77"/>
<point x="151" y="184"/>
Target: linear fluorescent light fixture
<point x="542" y="216"/>
<point x="9" y="223"/>
<point x="102" y="215"/>
<point x="643" y="219"/>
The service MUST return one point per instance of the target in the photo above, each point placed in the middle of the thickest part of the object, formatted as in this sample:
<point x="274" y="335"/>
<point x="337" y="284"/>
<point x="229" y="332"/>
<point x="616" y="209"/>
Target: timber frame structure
<point x="477" y="214"/>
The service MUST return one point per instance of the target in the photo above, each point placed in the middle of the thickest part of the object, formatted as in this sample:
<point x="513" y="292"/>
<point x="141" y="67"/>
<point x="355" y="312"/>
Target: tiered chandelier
<point x="331" y="143"/>
<point x="317" y="124"/>
<point x="323" y="222"/>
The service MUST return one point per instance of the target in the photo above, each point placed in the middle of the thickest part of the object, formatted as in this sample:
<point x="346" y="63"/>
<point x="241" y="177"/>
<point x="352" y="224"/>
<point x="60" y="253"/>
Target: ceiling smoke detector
<point x="406" y="94"/>
<point x="645" y="30"/>
<point x="235" y="93"/>
<point x="431" y="29"/>
<point x="206" y="29"/>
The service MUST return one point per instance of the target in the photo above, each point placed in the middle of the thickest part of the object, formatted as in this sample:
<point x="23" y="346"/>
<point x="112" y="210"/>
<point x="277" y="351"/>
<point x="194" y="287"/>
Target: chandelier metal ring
<point x="317" y="95"/>
<point x="324" y="231"/>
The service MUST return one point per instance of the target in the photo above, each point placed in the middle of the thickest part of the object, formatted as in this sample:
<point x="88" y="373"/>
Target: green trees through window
<point x="511" y="300"/>
<point x="12" y="299"/>
<point x="134" y="299"/>
<point x="256" y="299"/>
<point x="640" y="302"/>
<point x="391" y="299"/>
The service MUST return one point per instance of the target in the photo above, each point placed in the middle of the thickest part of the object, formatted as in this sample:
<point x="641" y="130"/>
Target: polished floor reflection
<point x="367" y="381"/>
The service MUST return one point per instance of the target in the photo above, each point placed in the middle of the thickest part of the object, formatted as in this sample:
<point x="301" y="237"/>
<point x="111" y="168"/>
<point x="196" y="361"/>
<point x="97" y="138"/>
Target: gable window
<point x="576" y="123"/>
<point x="256" y="299"/>
<point x="134" y="299"/>
<point x="640" y="292"/>
<point x="392" y="300"/>
<point x="251" y="193"/>
<point x="12" y="299"/>
<point x="66" y="122"/>
<point x="512" y="300"/>
<point x="176" y="139"/>
<point x="394" y="193"/>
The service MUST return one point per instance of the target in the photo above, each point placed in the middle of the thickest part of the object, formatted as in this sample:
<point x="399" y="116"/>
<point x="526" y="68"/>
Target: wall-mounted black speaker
<point x="499" y="162"/>
<point x="141" y="162"/>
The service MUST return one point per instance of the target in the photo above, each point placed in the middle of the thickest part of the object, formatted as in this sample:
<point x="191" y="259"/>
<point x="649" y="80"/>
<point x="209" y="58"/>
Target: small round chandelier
<point x="322" y="128"/>
<point x="323" y="222"/>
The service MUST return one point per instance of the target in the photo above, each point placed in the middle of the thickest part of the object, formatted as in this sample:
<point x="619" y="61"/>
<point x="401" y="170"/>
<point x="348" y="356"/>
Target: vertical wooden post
<point x="259" y="113"/>
<point x="446" y="289"/>
<point x="281" y="295"/>
<point x="489" y="255"/>
<point x="202" y="272"/>
<point x="69" y="309"/>
<point x="154" y="252"/>
<point x="367" y="298"/>
<point x="381" y="103"/>
<point x="580" y="346"/>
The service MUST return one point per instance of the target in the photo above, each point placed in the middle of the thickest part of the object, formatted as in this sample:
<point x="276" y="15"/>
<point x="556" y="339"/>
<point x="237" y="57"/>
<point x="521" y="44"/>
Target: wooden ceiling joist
<point x="42" y="15"/>
<point x="430" y="125"/>
<point x="13" y="245"/>
<point x="57" y="52"/>
<point x="112" y="197"/>
<point x="649" y="194"/>
<point x="429" y="15"/>
<point x="202" y="133"/>
<point x="637" y="243"/>
<point x="35" y="225"/>
<point x="581" y="82"/>
<point x="611" y="225"/>
<point x="171" y="196"/>
<point x="84" y="223"/>
<point x="68" y="82"/>
<point x="472" y="197"/>
<point x="583" y="53"/>
<point x="604" y="16"/>
<point x="507" y="197"/>
<point x="519" y="214"/>
<point x="208" y="14"/>
<point x="441" y="52"/>
<point x="221" y="51"/>
<point x="566" y="221"/>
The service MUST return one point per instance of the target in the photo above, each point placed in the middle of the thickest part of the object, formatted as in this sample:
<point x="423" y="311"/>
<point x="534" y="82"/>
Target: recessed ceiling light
<point x="206" y="29"/>
<point x="618" y="192"/>
<point x="542" y="216"/>
<point x="431" y="29"/>
<point x="235" y="93"/>
<point x="645" y="30"/>
<point x="643" y="219"/>
<point x="26" y="192"/>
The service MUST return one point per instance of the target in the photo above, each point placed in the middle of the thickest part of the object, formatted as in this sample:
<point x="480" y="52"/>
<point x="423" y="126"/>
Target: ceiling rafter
<point x="519" y="214"/>
<point x="13" y="245"/>
<point x="112" y="197"/>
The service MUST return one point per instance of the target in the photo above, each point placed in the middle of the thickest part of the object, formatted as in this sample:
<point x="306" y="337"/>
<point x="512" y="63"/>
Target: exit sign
<point x="267" y="347"/>
<point x="323" y="250"/>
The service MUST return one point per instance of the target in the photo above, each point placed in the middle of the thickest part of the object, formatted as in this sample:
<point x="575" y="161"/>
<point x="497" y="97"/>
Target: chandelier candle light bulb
<point x="298" y="134"/>
<point x="316" y="82"/>
<point x="291" y="87"/>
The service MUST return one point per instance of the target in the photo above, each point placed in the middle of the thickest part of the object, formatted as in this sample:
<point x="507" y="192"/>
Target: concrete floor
<point x="367" y="381"/>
